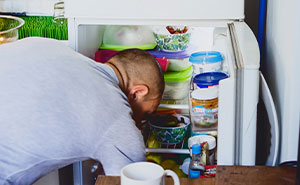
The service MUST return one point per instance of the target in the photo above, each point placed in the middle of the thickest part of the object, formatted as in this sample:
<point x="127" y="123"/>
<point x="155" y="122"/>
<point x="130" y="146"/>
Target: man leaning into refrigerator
<point x="59" y="107"/>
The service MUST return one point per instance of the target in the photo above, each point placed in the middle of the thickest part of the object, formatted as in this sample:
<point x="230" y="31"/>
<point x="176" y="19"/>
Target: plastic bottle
<point x="196" y="168"/>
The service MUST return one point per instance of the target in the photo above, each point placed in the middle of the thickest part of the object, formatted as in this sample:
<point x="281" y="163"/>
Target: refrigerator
<point x="221" y="27"/>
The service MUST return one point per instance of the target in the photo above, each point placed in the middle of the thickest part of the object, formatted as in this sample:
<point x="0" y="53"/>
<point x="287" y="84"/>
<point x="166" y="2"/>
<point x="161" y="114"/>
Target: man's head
<point x="141" y="79"/>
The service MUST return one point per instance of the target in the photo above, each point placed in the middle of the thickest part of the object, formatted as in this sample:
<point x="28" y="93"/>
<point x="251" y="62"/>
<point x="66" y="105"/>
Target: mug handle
<point x="173" y="175"/>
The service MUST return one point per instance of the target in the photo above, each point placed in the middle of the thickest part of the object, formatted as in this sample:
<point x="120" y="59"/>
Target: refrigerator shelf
<point x="175" y="104"/>
<point x="180" y="148"/>
<point x="168" y="150"/>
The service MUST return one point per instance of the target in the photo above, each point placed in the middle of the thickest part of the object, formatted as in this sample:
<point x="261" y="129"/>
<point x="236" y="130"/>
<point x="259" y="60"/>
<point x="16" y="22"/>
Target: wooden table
<point x="231" y="175"/>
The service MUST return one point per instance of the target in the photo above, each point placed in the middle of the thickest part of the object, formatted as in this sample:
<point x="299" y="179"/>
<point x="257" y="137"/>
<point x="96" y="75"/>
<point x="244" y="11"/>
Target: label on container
<point x="202" y="110"/>
<point x="204" y="117"/>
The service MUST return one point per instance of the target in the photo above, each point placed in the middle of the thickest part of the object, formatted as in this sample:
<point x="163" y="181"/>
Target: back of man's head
<point x="140" y="67"/>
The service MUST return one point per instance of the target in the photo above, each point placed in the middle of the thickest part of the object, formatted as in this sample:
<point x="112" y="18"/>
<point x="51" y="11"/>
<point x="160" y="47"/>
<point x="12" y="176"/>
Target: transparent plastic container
<point x="120" y="37"/>
<point x="206" y="61"/>
<point x="204" y="109"/>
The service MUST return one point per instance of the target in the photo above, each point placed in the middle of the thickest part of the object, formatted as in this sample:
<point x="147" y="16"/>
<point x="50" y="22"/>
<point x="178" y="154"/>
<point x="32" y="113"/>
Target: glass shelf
<point x="175" y="104"/>
<point x="180" y="148"/>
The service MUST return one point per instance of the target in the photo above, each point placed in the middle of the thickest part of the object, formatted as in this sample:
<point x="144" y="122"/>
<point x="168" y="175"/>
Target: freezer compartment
<point x="156" y="9"/>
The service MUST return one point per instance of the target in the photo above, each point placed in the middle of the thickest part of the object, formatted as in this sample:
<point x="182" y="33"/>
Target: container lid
<point x="120" y="47"/>
<point x="209" y="79"/>
<point x="206" y="57"/>
<point x="205" y="93"/>
<point x="178" y="75"/>
<point x="196" y="149"/>
<point x="194" y="174"/>
<point x="172" y="55"/>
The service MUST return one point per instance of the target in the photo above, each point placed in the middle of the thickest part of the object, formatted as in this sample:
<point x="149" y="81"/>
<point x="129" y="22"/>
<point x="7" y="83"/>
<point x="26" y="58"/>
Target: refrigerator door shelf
<point x="247" y="58"/>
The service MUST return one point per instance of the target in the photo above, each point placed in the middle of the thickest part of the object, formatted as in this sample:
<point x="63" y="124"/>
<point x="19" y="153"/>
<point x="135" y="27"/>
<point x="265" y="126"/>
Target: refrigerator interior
<point x="88" y="38"/>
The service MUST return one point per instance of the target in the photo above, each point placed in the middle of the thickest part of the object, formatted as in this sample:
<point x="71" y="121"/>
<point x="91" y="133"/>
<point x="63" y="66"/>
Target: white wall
<point x="31" y="7"/>
<point x="282" y="69"/>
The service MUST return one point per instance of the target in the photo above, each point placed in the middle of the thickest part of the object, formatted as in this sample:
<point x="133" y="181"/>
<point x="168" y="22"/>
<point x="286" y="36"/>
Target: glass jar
<point x="59" y="12"/>
<point x="204" y="109"/>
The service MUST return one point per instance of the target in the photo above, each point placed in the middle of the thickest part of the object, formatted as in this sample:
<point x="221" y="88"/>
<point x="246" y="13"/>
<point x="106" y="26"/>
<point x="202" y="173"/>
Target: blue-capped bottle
<point x="196" y="168"/>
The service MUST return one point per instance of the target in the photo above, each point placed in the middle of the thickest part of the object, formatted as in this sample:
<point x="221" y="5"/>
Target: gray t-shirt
<point x="57" y="107"/>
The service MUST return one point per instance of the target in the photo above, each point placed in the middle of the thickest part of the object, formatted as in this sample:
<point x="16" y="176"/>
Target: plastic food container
<point x="172" y="42"/>
<point x="9" y="26"/>
<point x="206" y="61"/>
<point x="125" y="37"/>
<point x="204" y="109"/>
<point x="207" y="80"/>
<point x="211" y="141"/>
<point x="170" y="134"/>
<point x="178" y="61"/>
<point x="177" y="84"/>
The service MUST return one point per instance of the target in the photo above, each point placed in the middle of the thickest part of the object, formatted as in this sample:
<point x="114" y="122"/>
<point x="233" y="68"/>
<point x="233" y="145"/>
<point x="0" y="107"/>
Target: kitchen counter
<point x="231" y="175"/>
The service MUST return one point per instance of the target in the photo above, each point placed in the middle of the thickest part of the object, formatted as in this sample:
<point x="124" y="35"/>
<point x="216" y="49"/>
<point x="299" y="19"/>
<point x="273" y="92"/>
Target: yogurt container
<point x="206" y="61"/>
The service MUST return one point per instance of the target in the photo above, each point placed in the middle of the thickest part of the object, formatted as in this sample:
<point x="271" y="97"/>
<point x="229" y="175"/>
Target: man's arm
<point x="120" y="147"/>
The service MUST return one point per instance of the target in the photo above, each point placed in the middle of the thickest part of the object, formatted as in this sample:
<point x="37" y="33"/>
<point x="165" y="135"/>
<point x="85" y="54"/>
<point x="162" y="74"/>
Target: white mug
<point x="146" y="173"/>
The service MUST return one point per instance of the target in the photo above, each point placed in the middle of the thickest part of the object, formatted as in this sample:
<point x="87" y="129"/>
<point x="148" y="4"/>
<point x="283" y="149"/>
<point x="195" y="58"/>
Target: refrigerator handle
<point x="273" y="119"/>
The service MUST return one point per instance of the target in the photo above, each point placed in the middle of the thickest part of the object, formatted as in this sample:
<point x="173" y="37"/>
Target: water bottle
<point x="196" y="168"/>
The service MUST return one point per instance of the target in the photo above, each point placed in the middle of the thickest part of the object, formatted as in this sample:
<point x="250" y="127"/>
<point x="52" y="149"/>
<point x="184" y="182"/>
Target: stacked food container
<point x="178" y="75"/>
<point x="204" y="90"/>
<point x="203" y="106"/>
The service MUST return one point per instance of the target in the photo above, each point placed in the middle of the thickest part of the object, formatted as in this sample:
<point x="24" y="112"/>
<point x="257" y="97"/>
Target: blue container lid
<point x="206" y="57"/>
<point x="194" y="174"/>
<point x="169" y="55"/>
<point x="209" y="79"/>
<point x="196" y="149"/>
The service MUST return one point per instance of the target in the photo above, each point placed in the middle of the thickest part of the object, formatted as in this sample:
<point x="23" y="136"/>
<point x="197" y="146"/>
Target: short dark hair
<point x="141" y="66"/>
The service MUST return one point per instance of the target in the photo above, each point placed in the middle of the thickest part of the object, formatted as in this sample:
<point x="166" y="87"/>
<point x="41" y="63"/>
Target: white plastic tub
<point x="206" y="61"/>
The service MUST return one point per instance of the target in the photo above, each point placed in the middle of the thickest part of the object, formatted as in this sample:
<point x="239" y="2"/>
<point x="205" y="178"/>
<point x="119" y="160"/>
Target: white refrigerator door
<point x="266" y="96"/>
<point x="156" y="9"/>
<point x="247" y="59"/>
